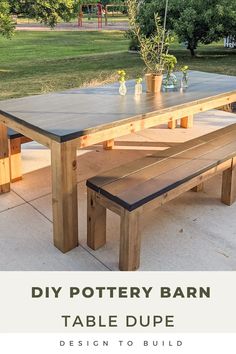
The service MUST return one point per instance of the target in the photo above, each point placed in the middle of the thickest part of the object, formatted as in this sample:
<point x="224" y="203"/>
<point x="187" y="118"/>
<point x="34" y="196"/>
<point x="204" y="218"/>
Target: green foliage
<point x="133" y="40"/>
<point x="170" y="62"/>
<point x="6" y="23"/>
<point x="85" y="2"/>
<point x="146" y="17"/>
<point x="199" y="22"/>
<point x="47" y="11"/>
<point x="121" y="75"/>
<point x="194" y="21"/>
<point x="118" y="2"/>
<point x="50" y="11"/>
<point x="153" y="48"/>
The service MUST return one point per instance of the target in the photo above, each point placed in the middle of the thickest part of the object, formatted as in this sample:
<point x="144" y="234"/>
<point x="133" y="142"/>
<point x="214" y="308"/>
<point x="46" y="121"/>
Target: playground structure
<point x="116" y="6"/>
<point x="92" y="10"/>
<point x="97" y="10"/>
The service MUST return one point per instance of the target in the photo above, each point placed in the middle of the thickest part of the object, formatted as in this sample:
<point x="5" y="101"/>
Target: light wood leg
<point x="187" y="122"/>
<point x="198" y="188"/>
<point x="96" y="221"/>
<point x="64" y="196"/>
<point x="130" y="241"/>
<point x="108" y="145"/>
<point x="228" y="193"/>
<point x="226" y="108"/>
<point x="172" y="124"/>
<point x="15" y="159"/>
<point x="4" y="160"/>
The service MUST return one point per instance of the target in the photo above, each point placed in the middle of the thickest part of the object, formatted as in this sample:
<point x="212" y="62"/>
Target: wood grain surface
<point x="75" y="113"/>
<point x="133" y="186"/>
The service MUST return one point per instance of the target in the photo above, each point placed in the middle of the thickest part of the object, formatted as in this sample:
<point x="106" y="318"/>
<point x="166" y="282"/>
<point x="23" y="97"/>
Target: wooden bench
<point x="147" y="183"/>
<point x="15" y="141"/>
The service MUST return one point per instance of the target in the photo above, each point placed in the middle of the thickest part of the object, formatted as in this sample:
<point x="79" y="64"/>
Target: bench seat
<point x="12" y="134"/>
<point x="147" y="183"/>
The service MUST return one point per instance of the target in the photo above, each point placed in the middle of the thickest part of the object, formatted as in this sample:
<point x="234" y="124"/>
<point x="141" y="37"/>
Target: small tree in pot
<point x="153" y="49"/>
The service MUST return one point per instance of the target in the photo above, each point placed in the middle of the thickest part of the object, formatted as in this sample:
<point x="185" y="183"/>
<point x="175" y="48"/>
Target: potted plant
<point x="153" y="49"/>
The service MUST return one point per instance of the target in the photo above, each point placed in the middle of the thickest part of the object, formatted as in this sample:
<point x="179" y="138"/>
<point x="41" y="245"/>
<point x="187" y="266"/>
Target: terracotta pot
<point x="153" y="83"/>
<point x="148" y="78"/>
<point x="156" y="83"/>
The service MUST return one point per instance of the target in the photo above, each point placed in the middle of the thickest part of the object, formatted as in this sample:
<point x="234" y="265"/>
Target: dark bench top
<point x="67" y="115"/>
<point x="138" y="182"/>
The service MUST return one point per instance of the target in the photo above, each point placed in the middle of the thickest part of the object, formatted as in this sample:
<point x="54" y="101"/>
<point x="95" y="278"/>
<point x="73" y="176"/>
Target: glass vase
<point x="138" y="90"/>
<point x="169" y="81"/>
<point x="122" y="89"/>
<point x="184" y="80"/>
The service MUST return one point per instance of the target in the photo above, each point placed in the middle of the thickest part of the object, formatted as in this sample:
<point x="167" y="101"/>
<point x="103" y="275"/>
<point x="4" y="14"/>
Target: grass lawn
<point x="38" y="62"/>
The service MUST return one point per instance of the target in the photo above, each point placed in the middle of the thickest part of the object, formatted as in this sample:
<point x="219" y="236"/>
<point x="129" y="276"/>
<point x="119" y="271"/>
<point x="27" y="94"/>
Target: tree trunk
<point x="192" y="45"/>
<point x="192" y="51"/>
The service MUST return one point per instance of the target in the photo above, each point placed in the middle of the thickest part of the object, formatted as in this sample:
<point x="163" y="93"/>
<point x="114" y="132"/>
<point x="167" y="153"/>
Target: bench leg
<point x="4" y="160"/>
<point x="187" y="122"/>
<point x="130" y="241"/>
<point x="228" y="193"/>
<point x="108" y="145"/>
<point x="15" y="159"/>
<point x="172" y="124"/>
<point x="198" y="188"/>
<point x="96" y="221"/>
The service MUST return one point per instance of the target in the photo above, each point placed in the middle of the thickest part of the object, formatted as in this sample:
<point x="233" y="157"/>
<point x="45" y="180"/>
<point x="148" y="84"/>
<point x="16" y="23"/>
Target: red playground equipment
<point x="98" y="10"/>
<point x="99" y="6"/>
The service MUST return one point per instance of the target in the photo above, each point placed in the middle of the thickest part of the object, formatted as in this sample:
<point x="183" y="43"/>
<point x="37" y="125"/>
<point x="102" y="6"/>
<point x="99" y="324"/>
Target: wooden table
<point x="67" y="121"/>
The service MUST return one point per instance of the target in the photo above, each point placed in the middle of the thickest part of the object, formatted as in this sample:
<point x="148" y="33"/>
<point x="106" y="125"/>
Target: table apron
<point x="151" y="121"/>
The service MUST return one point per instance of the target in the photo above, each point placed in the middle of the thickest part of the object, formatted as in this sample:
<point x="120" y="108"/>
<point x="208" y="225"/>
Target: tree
<point x="6" y="24"/>
<point x="202" y="21"/>
<point x="46" y="11"/>
<point x="194" y="21"/>
<point x="118" y="2"/>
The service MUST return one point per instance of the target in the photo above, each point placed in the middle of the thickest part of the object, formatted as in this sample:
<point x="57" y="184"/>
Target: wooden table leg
<point x="4" y="160"/>
<point x="227" y="108"/>
<point x="64" y="195"/>
<point x="172" y="124"/>
<point x="15" y="157"/>
<point x="187" y="122"/>
<point x="198" y="188"/>
<point x="15" y="160"/>
<point x="108" y="145"/>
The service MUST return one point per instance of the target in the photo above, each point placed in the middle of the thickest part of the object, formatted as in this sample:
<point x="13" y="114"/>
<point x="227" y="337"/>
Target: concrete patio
<point x="193" y="232"/>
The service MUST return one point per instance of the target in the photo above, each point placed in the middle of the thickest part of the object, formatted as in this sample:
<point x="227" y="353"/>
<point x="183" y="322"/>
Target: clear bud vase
<point x="169" y="81"/>
<point x="138" y="90"/>
<point x="184" y="80"/>
<point x="122" y="89"/>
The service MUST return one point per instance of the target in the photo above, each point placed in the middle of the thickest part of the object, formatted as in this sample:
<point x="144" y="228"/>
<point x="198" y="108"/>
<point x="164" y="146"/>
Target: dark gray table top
<point x="67" y="115"/>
